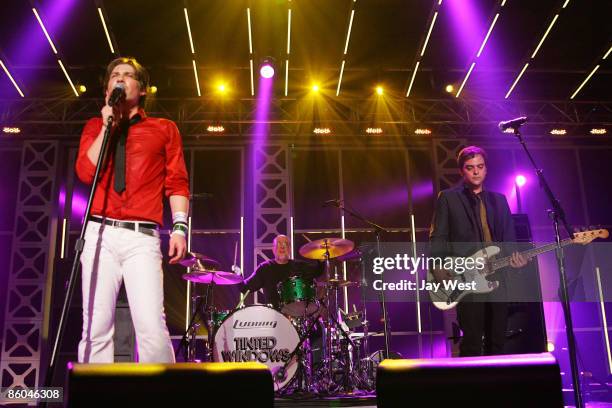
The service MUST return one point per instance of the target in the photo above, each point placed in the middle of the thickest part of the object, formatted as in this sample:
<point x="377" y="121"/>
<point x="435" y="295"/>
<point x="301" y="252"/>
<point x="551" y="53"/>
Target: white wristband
<point x="179" y="216"/>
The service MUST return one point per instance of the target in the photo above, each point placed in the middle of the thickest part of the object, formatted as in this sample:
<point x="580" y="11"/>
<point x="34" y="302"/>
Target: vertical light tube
<point x="188" y="299"/>
<point x="604" y="319"/>
<point x="291" y="235"/>
<point x="416" y="274"/>
<point x="344" y="272"/>
<point x="242" y="245"/>
<point x="63" y="246"/>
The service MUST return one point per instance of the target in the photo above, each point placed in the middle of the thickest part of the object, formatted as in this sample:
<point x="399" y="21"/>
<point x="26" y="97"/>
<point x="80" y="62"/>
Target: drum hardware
<point x="199" y="261"/>
<point x="189" y="337"/>
<point x="208" y="276"/>
<point x="352" y="319"/>
<point x="302" y="351"/>
<point x="338" y="346"/>
<point x="341" y="356"/>
<point x="336" y="282"/>
<point x="212" y="317"/>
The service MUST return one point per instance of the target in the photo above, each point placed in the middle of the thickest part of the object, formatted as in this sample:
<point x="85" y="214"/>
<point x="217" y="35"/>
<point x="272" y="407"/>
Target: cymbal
<point x="341" y="283"/>
<point x="354" y="255"/>
<point x="318" y="249"/>
<point x="200" y="261"/>
<point x="216" y="277"/>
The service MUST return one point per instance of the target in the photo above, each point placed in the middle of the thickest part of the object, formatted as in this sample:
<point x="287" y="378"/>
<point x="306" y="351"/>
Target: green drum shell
<point x="296" y="289"/>
<point x="298" y="296"/>
<point x="218" y="316"/>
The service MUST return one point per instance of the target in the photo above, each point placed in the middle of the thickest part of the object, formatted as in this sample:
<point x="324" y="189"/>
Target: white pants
<point x="112" y="255"/>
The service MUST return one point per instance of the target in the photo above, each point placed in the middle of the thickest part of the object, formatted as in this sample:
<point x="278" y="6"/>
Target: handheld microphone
<point x="512" y="123"/>
<point x="117" y="95"/>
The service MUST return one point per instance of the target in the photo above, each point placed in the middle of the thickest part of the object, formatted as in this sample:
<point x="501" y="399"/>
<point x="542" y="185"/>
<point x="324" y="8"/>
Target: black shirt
<point x="269" y="274"/>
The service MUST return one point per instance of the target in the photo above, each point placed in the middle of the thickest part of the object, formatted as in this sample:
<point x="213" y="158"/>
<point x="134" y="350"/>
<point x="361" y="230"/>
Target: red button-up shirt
<point x="154" y="166"/>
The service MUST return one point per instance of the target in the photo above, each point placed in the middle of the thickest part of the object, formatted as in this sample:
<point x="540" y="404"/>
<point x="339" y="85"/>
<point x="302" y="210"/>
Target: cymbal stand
<point x="279" y="374"/>
<point x="329" y="330"/>
<point x="191" y="329"/>
<point x="208" y="313"/>
<point x="365" y="364"/>
<point x="352" y="378"/>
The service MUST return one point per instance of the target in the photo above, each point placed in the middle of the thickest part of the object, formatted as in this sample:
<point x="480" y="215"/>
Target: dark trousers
<point x="482" y="320"/>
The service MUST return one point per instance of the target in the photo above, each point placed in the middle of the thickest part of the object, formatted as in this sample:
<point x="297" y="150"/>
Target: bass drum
<point x="259" y="334"/>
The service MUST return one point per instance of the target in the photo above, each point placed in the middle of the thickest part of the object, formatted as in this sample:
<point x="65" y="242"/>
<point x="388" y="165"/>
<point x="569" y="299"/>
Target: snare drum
<point x="298" y="296"/>
<point x="261" y="334"/>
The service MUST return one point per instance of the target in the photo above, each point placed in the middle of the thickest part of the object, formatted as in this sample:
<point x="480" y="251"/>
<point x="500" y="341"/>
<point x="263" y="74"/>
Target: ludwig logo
<point x="248" y="324"/>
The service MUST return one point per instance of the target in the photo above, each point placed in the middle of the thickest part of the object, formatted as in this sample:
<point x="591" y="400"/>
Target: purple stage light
<point x="520" y="180"/>
<point x="266" y="71"/>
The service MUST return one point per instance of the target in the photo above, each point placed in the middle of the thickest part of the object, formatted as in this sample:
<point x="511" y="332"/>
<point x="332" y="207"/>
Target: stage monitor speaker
<point x="165" y="385"/>
<point x="522" y="380"/>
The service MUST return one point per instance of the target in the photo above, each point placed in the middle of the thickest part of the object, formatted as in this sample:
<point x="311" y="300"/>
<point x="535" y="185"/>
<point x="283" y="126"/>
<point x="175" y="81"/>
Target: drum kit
<point x="308" y="344"/>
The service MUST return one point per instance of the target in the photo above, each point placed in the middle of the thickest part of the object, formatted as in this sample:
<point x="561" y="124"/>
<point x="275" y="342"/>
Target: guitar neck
<point x="530" y="253"/>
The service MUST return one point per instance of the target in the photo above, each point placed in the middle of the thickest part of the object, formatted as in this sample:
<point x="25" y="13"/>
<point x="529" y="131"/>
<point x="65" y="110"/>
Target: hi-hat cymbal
<point x="216" y="277"/>
<point x="200" y="261"/>
<point x="319" y="248"/>
<point x="340" y="283"/>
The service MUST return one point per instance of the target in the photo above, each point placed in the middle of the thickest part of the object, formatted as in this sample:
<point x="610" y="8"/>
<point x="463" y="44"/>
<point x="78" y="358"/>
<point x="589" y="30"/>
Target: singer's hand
<point x="107" y="112"/>
<point x="177" y="248"/>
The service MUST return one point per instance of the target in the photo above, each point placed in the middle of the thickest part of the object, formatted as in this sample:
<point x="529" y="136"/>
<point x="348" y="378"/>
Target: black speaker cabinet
<point x="167" y="385"/>
<point x="522" y="380"/>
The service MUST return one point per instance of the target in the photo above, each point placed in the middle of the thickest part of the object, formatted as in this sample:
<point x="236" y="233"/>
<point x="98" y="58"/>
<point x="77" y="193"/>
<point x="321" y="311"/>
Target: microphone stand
<point x="377" y="230"/>
<point x="80" y="244"/>
<point x="557" y="215"/>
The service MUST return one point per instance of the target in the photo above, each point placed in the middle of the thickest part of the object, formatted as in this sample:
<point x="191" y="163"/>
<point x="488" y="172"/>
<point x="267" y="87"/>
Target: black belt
<point x="149" y="228"/>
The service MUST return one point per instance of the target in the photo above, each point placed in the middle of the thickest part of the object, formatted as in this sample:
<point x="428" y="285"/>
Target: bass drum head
<point x="260" y="334"/>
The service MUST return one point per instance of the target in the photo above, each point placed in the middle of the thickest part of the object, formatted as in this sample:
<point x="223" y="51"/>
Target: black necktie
<point x="120" y="153"/>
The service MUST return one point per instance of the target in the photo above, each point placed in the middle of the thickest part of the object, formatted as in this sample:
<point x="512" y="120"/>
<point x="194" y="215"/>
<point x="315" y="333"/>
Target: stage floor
<point x="315" y="400"/>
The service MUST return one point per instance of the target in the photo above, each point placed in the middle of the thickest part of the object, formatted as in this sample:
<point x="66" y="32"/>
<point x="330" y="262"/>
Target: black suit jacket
<point x="456" y="230"/>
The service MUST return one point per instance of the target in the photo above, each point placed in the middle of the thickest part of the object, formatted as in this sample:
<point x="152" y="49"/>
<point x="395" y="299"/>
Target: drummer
<point x="270" y="273"/>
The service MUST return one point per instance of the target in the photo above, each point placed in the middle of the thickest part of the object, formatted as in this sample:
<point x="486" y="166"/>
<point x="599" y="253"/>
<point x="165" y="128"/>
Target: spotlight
<point x="267" y="68"/>
<point x="520" y="180"/>
<point x="596" y="131"/>
<point x="315" y="88"/>
<point x="153" y="89"/>
<point x="374" y="131"/>
<point x="322" y="131"/>
<point x="550" y="346"/>
<point x="215" y="129"/>
<point x="558" y="132"/>
<point x="449" y="88"/>
<point x="82" y="89"/>
<point x="422" y="131"/>
<point x="11" y="130"/>
<point x="379" y="90"/>
<point x="221" y="88"/>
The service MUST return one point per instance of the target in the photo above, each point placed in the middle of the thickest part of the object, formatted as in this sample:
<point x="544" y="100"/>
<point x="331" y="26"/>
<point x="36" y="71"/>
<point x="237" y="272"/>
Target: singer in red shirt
<point x="143" y="163"/>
